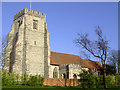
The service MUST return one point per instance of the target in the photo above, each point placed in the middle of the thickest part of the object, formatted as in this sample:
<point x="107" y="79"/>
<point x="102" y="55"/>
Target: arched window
<point x="55" y="73"/>
<point x="34" y="42"/>
<point x="75" y="76"/>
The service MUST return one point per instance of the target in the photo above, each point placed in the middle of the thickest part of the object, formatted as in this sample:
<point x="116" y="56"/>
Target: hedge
<point x="9" y="79"/>
<point x="88" y="80"/>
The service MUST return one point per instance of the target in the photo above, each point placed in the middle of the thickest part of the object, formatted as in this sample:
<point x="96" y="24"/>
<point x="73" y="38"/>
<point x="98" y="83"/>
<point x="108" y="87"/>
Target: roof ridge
<point x="66" y="54"/>
<point x="90" y="60"/>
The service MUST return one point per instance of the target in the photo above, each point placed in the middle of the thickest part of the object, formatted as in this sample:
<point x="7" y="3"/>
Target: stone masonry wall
<point x="69" y="70"/>
<point x="28" y="48"/>
<point x="34" y="52"/>
<point x="63" y="70"/>
<point x="8" y="49"/>
<point x="18" y="46"/>
<point x="74" y="69"/>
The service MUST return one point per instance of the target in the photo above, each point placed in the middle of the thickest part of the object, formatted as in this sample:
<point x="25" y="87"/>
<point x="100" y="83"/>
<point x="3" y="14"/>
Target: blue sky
<point x="65" y="20"/>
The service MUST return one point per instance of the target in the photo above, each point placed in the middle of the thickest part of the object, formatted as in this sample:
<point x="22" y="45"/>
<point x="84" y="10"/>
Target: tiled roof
<point x="91" y="64"/>
<point x="61" y="58"/>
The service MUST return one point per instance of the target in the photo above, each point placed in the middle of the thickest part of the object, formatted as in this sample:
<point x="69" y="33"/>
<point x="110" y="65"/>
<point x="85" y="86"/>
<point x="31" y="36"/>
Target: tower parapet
<point x="29" y="12"/>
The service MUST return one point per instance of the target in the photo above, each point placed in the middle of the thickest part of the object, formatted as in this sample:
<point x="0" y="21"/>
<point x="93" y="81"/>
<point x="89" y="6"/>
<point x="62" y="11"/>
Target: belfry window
<point x="55" y="73"/>
<point x="34" y="42"/>
<point x="19" y="23"/>
<point x="35" y="24"/>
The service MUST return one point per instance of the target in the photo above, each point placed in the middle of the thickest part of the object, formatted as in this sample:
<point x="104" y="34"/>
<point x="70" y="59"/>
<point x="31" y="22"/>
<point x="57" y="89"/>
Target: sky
<point x="66" y="19"/>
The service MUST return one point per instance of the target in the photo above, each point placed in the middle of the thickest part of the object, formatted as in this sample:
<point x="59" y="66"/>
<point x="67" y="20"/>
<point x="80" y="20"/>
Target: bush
<point x="99" y="80"/>
<point x="87" y="80"/>
<point x="40" y="80"/>
<point x="35" y="80"/>
<point x="15" y="79"/>
<point x="117" y="79"/>
<point x="32" y="81"/>
<point x="8" y="78"/>
<point x="4" y="78"/>
<point x="110" y="79"/>
<point x="11" y="79"/>
<point x="25" y="79"/>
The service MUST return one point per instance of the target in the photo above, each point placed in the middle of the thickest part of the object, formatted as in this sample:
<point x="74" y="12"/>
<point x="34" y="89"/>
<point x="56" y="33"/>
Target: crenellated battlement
<point x="29" y="12"/>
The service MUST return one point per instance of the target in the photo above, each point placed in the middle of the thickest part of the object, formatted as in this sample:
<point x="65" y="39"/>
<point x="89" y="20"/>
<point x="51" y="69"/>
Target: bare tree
<point x="98" y="48"/>
<point x="85" y="55"/>
<point x="113" y="59"/>
<point x="118" y="63"/>
<point x="3" y="46"/>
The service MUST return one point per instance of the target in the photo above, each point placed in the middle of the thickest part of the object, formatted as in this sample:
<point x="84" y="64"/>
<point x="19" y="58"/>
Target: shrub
<point x="110" y="79"/>
<point x="40" y="80"/>
<point x="99" y="80"/>
<point x="32" y="81"/>
<point x="87" y="80"/>
<point x="15" y="79"/>
<point x="117" y="79"/>
<point x="8" y="78"/>
<point x="11" y="79"/>
<point x="24" y="79"/>
<point x="4" y="78"/>
<point x="35" y="80"/>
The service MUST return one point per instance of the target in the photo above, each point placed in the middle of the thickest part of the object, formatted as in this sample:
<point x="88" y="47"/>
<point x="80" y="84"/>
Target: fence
<point x="61" y="82"/>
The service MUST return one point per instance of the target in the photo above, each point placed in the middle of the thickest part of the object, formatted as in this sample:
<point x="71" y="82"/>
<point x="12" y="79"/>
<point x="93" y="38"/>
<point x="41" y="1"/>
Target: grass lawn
<point x="38" y="87"/>
<point x="110" y="87"/>
<point x="117" y="87"/>
<point x="6" y="87"/>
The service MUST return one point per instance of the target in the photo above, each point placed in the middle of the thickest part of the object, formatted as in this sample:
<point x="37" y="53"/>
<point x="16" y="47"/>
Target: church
<point x="28" y="50"/>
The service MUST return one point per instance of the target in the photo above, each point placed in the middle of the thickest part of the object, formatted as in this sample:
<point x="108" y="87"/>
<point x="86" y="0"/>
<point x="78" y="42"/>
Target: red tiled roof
<point x="61" y="58"/>
<point x="91" y="64"/>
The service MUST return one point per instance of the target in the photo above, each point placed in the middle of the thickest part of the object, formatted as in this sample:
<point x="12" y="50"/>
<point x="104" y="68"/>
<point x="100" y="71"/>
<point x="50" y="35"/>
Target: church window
<point x="34" y="42"/>
<point x="55" y="73"/>
<point x="35" y="22"/>
<point x="19" y="23"/>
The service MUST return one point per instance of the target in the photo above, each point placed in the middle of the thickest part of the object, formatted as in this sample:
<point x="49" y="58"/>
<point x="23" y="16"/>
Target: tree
<point x="3" y="46"/>
<point x="85" y="55"/>
<point x="118" y="64"/>
<point x="110" y="69"/>
<point x="98" y="48"/>
<point x="87" y="79"/>
<point x="113" y="59"/>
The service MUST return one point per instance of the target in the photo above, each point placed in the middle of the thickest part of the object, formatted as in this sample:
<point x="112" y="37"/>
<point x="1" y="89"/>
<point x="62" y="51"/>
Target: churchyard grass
<point x="100" y="87"/>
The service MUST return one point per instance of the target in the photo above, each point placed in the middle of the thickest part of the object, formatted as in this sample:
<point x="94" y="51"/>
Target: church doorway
<point x="55" y="73"/>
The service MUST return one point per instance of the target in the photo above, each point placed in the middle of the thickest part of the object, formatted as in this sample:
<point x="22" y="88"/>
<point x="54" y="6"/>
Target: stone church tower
<point x="28" y="49"/>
